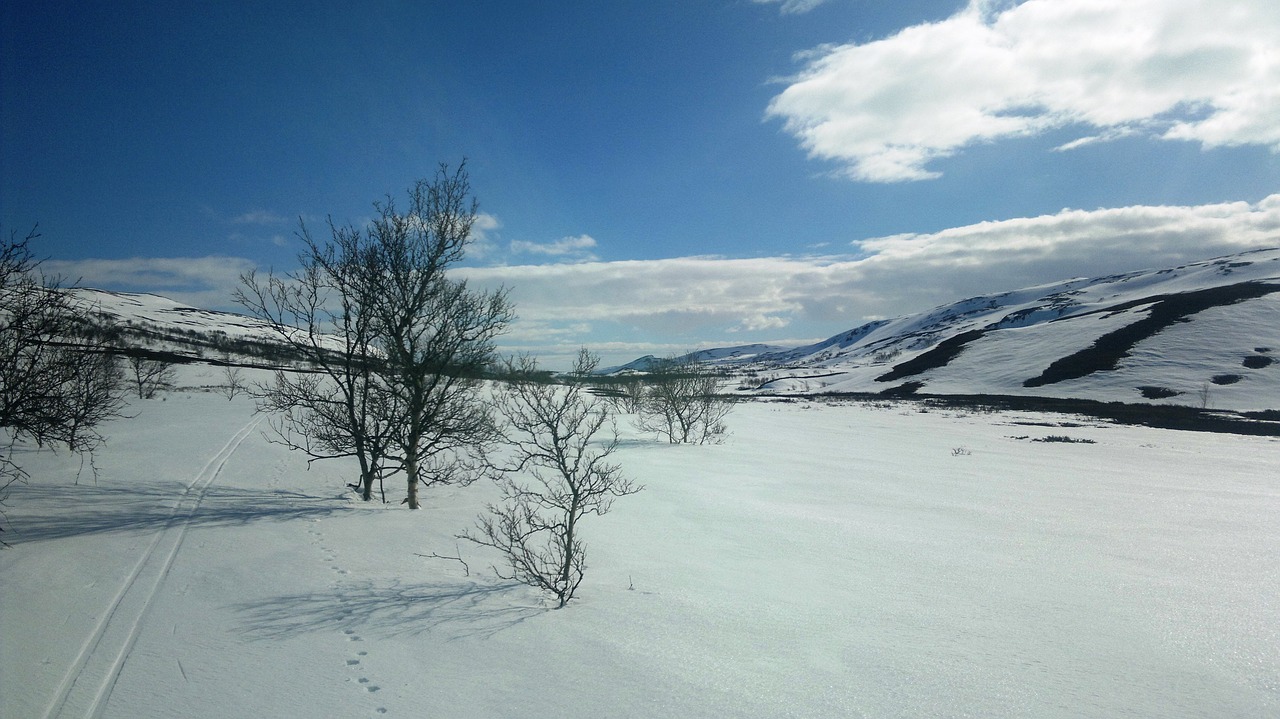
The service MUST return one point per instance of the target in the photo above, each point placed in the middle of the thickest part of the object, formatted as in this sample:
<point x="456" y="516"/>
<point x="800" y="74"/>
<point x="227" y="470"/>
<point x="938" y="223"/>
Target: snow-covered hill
<point x="1203" y="334"/>
<point x="184" y="333"/>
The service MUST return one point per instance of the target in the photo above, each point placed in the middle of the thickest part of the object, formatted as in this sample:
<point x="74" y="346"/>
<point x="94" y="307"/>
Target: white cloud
<point x="577" y="248"/>
<point x="792" y="7"/>
<point x="1008" y="254"/>
<point x="1193" y="70"/>
<point x="484" y="236"/>
<point x="277" y="239"/>
<point x="260" y="217"/>
<point x="758" y="323"/>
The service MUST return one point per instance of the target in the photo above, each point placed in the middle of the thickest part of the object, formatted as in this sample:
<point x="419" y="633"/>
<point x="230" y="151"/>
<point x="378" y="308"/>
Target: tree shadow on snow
<point x="463" y="608"/>
<point x="60" y="512"/>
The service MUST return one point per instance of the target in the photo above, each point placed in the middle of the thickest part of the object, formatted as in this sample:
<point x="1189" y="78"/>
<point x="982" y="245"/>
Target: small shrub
<point x="150" y="375"/>
<point x="1063" y="438"/>
<point x="960" y="452"/>
<point x="1257" y="361"/>
<point x="1152" y="392"/>
<point x="1226" y="378"/>
<point x="233" y="382"/>
<point x="554" y="477"/>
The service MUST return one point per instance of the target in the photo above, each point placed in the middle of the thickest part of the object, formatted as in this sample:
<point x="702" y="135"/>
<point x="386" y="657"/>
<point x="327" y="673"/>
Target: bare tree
<point x="57" y="383"/>
<point x="323" y="313"/>
<point x="1202" y="396"/>
<point x="624" y="392"/>
<point x="433" y="333"/>
<point x="233" y="381"/>
<point x="682" y="402"/>
<point x="399" y="391"/>
<point x="149" y="375"/>
<point x="555" y="473"/>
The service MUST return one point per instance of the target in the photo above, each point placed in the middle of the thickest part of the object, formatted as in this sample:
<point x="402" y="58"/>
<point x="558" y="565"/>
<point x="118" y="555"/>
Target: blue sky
<point x="653" y="176"/>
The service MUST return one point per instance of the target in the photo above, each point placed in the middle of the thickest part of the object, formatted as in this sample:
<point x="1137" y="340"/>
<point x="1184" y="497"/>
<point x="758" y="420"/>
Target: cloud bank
<point x="692" y="300"/>
<point x="1193" y="70"/>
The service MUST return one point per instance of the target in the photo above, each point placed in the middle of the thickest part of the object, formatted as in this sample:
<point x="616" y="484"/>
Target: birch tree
<point x="682" y="402"/>
<point x="323" y="312"/>
<point x="555" y="472"/>
<point x="57" y="383"/>
<point x="399" y="391"/>
<point x="435" y="334"/>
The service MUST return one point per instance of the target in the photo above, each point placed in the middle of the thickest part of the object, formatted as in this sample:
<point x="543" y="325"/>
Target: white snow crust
<point x="826" y="560"/>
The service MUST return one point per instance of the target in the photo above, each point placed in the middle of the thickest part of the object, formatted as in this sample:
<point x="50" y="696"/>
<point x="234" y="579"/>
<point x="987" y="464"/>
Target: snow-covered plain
<point x="826" y="560"/>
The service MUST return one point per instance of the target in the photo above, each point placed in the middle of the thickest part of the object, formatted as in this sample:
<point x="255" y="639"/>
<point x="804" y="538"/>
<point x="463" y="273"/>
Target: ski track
<point x="90" y="679"/>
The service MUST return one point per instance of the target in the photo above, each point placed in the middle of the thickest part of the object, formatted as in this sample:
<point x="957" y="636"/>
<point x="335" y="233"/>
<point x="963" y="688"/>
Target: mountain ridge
<point x="1202" y="333"/>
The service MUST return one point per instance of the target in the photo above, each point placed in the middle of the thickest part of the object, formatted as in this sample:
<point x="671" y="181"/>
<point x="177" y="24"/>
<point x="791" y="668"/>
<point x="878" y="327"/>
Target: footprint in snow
<point x="364" y="681"/>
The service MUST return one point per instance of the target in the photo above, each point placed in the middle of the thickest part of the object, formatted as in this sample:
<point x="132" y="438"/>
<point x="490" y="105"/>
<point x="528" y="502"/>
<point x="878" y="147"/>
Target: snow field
<point x="826" y="560"/>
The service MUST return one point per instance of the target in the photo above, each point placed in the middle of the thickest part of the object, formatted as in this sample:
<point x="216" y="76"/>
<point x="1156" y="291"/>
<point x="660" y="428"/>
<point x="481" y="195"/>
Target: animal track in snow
<point x="357" y="662"/>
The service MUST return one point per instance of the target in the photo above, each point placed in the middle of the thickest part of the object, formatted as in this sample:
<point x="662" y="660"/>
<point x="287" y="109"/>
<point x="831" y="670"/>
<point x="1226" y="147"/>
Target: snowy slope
<point x="1203" y="332"/>
<point x="158" y="323"/>
<point x="825" y="561"/>
<point x="134" y="307"/>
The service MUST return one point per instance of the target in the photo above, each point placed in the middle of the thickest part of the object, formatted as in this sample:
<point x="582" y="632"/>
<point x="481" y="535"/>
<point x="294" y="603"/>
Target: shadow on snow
<point x="463" y="608"/>
<point x="60" y="512"/>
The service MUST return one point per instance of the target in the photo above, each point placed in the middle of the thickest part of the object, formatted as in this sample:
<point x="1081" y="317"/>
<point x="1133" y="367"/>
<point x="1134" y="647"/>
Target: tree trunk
<point x="411" y="468"/>
<point x="366" y="474"/>
<point x="570" y="551"/>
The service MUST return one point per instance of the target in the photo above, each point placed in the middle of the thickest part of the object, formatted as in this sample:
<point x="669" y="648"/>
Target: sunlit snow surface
<point x="826" y="560"/>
